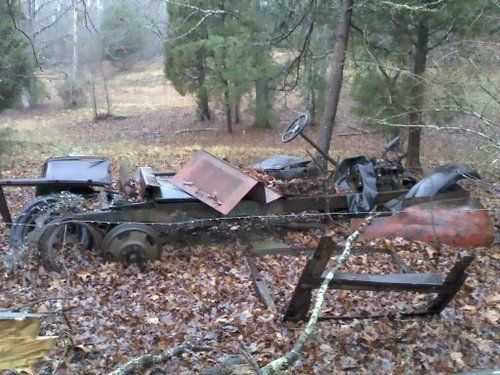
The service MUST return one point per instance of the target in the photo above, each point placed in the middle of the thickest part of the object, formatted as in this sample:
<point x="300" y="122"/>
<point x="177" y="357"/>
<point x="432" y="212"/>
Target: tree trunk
<point x="417" y="96"/>
<point x="93" y="97"/>
<point x="237" y="112"/>
<point x="74" y="66"/>
<point x="204" y="113"/>
<point x="263" y="104"/>
<point x="336" y="75"/>
<point x="106" y="91"/>
<point x="227" y="105"/>
<point x="263" y="97"/>
<point x="31" y="32"/>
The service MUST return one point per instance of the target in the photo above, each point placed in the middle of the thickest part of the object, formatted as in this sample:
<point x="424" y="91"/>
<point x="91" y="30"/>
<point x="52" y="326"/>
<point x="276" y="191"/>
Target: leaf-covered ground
<point x="202" y="291"/>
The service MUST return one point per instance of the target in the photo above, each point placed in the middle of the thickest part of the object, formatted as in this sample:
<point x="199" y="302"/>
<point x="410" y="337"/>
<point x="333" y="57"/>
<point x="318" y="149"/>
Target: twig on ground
<point x="147" y="360"/>
<point x="285" y="361"/>
<point x="34" y="303"/>
<point x="182" y="131"/>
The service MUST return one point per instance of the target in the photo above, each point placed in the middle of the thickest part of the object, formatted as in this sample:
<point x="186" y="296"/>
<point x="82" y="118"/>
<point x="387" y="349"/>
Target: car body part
<point x="63" y="235"/>
<point x="460" y="222"/>
<point x="296" y="128"/>
<point x="365" y="177"/>
<point x="206" y="189"/>
<point x="74" y="174"/>
<point x="285" y="167"/>
<point x="445" y="285"/>
<point x="131" y="243"/>
<point x="356" y="176"/>
<point x="25" y="221"/>
<point x="279" y="162"/>
<point x="41" y="211"/>
<point x="439" y="180"/>
<point x="218" y="184"/>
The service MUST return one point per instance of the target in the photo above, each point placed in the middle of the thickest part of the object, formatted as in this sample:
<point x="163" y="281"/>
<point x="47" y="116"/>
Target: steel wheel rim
<point x="131" y="243"/>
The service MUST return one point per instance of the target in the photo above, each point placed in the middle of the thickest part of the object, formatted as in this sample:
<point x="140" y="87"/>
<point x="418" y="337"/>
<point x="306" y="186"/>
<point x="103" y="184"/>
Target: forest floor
<point x="202" y="291"/>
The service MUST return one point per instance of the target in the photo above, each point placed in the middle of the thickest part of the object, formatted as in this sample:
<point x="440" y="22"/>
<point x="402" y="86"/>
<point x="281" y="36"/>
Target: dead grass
<point x="154" y="111"/>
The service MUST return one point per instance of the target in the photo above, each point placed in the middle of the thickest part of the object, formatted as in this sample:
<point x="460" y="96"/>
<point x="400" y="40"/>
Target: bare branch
<point x="13" y="17"/>
<point x="481" y="135"/>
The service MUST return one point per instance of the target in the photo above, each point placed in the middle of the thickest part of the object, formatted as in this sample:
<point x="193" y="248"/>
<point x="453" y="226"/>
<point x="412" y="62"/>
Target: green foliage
<point x="377" y="97"/>
<point x="16" y="65"/>
<point x="384" y="46"/>
<point x="122" y="36"/>
<point x="218" y="56"/>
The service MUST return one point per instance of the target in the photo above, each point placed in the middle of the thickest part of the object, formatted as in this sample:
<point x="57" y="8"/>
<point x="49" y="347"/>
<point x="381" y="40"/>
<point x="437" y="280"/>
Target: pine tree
<point x="216" y="52"/>
<point x="186" y="53"/>
<point x="397" y="38"/>
<point x="16" y="66"/>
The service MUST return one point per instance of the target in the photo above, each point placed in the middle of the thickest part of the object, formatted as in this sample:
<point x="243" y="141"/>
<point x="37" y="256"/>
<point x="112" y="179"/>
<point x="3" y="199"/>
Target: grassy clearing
<point x="154" y="111"/>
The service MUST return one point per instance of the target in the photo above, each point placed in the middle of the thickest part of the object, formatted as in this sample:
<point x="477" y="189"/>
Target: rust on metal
<point x="313" y="275"/>
<point x="457" y="222"/>
<point x="219" y="184"/>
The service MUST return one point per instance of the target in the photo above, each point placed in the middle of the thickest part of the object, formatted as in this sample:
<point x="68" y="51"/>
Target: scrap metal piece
<point x="439" y="180"/>
<point x="459" y="222"/>
<point x="219" y="184"/>
<point x="393" y="145"/>
<point x="171" y="193"/>
<point x="285" y="167"/>
<point x="278" y="162"/>
<point x="129" y="243"/>
<point x="314" y="273"/>
<point x="4" y="209"/>
<point x="78" y="168"/>
<point x="77" y="174"/>
<point x="357" y="174"/>
<point x="160" y="188"/>
<point x="60" y="235"/>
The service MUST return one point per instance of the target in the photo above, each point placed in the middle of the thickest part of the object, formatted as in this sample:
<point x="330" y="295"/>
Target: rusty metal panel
<point x="219" y="184"/>
<point x="457" y="222"/>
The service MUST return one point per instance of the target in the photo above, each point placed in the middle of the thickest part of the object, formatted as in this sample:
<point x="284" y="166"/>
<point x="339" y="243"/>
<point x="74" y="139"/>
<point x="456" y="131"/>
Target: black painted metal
<point x="4" y="209"/>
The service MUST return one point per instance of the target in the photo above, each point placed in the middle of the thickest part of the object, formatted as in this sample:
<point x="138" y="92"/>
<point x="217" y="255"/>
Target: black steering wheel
<point x="294" y="128"/>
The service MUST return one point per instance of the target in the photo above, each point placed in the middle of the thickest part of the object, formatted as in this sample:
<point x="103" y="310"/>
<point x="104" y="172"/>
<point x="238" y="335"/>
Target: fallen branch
<point x="147" y="360"/>
<point x="37" y="302"/>
<point x="177" y="132"/>
<point x="289" y="358"/>
<point x="182" y="131"/>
